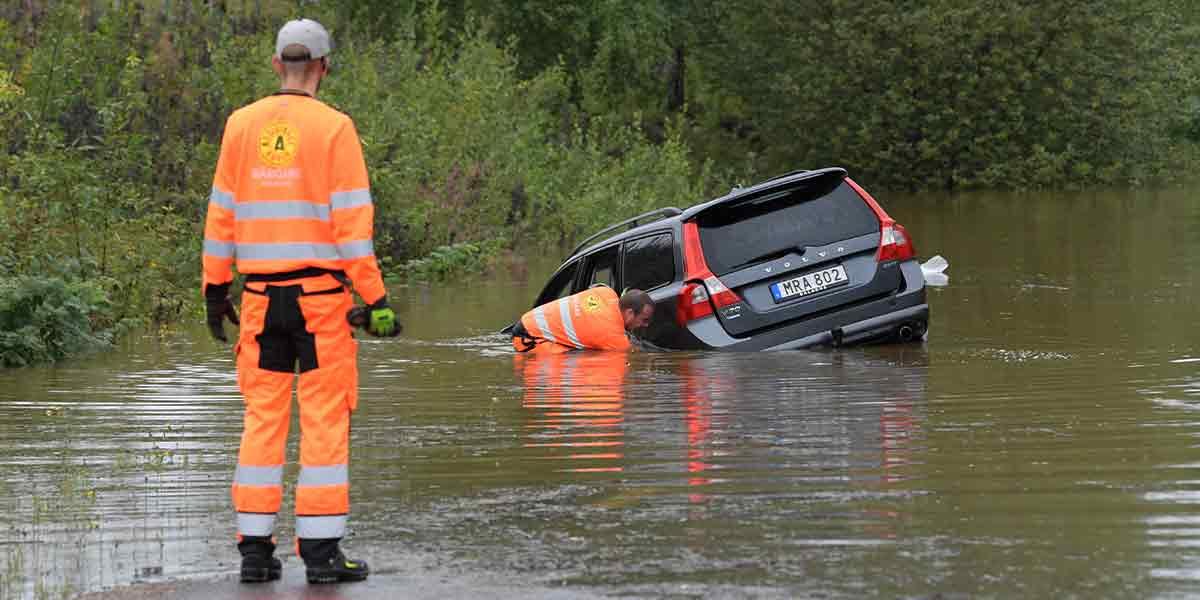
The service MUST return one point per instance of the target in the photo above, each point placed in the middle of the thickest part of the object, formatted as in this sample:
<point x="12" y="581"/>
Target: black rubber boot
<point x="259" y="569"/>
<point x="339" y="569"/>
<point x="327" y="564"/>
<point x="258" y="561"/>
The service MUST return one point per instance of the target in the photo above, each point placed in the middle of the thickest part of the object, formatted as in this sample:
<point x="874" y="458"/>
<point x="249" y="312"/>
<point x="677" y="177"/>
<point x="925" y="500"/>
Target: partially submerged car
<point x="805" y="259"/>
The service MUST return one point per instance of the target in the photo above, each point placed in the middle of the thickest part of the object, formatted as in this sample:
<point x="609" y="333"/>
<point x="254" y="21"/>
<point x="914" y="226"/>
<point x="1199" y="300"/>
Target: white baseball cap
<point x="303" y="32"/>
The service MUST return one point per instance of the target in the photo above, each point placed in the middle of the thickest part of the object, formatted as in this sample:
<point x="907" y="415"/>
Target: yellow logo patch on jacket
<point x="278" y="144"/>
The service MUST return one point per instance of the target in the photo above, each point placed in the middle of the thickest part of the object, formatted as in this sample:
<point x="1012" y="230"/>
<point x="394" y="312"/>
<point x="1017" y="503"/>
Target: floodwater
<point x="1042" y="443"/>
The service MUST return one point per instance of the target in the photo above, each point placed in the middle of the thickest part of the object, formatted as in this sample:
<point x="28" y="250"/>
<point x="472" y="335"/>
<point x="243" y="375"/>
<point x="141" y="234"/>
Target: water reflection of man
<point x="594" y="319"/>
<point x="575" y="409"/>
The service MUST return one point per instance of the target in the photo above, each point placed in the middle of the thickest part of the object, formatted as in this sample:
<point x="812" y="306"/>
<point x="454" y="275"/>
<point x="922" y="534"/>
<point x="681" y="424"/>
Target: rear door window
<point x="744" y="235"/>
<point x="602" y="268"/>
<point x="650" y="262"/>
<point x="560" y="285"/>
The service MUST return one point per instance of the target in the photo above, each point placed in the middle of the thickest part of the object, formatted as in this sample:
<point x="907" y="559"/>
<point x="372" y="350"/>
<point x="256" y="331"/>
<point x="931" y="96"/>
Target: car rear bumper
<point x="881" y="327"/>
<point x="882" y="318"/>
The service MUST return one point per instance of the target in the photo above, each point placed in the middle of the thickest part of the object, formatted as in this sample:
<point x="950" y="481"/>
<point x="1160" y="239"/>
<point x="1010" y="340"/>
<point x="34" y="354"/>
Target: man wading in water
<point x="593" y="319"/>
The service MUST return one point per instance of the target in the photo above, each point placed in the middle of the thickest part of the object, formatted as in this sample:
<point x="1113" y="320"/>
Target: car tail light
<point x="894" y="243"/>
<point x="721" y="295"/>
<point x="701" y="290"/>
<point x="693" y="303"/>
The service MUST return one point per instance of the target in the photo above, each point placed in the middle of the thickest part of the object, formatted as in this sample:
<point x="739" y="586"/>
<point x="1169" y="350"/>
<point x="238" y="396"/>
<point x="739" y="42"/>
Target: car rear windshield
<point x="745" y="234"/>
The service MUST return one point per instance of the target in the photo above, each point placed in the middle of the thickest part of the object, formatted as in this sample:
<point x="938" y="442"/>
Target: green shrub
<point x="461" y="148"/>
<point x="444" y="261"/>
<point x="492" y="126"/>
<point x="46" y="318"/>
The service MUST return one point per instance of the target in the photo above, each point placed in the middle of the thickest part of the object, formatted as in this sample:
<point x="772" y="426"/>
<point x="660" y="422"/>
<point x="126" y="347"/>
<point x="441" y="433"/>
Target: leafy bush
<point x="112" y="120"/>
<point x="46" y="319"/>
<point x="462" y="149"/>
<point x="444" y="261"/>
<point x="496" y="125"/>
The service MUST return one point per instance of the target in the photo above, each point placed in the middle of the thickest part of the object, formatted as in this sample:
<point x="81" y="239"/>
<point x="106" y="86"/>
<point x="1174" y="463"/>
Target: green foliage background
<point x="493" y="125"/>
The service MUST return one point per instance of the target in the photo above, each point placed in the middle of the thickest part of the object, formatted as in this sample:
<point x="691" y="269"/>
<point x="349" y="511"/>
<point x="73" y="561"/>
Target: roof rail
<point x="660" y="213"/>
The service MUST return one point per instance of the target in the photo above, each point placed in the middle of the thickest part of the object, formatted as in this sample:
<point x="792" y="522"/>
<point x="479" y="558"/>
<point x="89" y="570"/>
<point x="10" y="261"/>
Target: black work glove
<point x="219" y="307"/>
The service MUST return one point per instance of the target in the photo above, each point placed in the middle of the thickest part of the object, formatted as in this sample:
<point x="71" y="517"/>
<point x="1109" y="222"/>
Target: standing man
<point x="291" y="204"/>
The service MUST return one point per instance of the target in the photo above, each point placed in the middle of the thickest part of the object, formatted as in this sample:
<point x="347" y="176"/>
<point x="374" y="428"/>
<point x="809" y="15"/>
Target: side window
<point x="650" y="262"/>
<point x="559" y="286"/>
<point x="602" y="268"/>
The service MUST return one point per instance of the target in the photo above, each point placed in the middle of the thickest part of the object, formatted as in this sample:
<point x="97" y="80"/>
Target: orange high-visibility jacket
<point x="590" y="319"/>
<point x="291" y="192"/>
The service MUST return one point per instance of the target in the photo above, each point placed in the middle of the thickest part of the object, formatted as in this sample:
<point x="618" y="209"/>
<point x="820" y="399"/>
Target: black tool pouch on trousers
<point x="285" y="339"/>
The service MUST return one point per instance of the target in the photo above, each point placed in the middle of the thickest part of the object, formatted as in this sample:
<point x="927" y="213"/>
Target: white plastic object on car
<point x="933" y="269"/>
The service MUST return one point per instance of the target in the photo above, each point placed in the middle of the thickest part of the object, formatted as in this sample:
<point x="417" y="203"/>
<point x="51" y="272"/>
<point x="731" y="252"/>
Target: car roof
<point x="669" y="216"/>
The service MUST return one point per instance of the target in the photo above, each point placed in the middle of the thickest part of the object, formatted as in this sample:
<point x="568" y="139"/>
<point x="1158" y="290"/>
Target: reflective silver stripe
<point x="255" y="524"/>
<point x="304" y="250"/>
<point x="564" y="310"/>
<point x="540" y="317"/>
<point x="218" y="249"/>
<point x="289" y="209"/>
<point x="328" y="475"/>
<point x="357" y="249"/>
<point x="222" y="199"/>
<point x="350" y="199"/>
<point x="287" y="251"/>
<point x="317" y="528"/>
<point x="251" y="475"/>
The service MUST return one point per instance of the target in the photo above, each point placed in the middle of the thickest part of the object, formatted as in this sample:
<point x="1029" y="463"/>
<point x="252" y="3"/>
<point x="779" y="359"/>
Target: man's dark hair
<point x="635" y="300"/>
<point x="297" y="61"/>
<point x="295" y="53"/>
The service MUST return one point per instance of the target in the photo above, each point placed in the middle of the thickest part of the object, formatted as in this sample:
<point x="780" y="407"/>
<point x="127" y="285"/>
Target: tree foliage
<point x="113" y="120"/>
<point x="963" y="93"/>
<point x="502" y="124"/>
<point x="913" y="94"/>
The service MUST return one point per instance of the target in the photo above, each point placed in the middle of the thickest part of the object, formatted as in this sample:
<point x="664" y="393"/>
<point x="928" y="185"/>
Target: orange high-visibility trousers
<point x="291" y="326"/>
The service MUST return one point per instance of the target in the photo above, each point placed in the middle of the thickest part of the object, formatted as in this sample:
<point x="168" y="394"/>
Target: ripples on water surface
<point x="1041" y="444"/>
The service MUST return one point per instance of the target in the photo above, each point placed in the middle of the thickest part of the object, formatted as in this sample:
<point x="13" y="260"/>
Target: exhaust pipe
<point x="906" y="332"/>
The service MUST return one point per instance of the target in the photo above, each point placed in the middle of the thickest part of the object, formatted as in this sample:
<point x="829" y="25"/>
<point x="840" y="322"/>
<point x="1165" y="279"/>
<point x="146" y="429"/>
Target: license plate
<point x="809" y="283"/>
